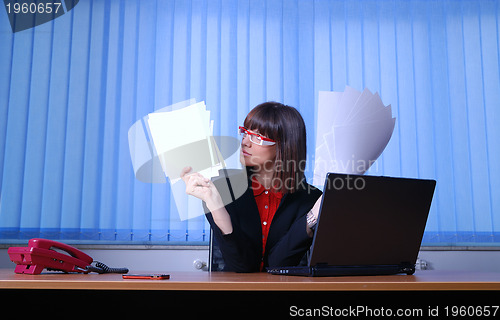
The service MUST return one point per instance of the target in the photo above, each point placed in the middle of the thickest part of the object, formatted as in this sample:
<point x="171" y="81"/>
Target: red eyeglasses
<point x="255" y="137"/>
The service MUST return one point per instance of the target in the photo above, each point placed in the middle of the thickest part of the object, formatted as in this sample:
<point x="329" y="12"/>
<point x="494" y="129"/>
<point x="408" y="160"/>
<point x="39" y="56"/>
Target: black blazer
<point x="287" y="241"/>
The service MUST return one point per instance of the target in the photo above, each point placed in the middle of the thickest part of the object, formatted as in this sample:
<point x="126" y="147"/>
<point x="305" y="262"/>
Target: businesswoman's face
<point x="255" y="155"/>
<point x="281" y="147"/>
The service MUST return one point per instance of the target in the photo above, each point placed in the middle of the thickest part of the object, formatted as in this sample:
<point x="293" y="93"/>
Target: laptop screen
<point x="371" y="220"/>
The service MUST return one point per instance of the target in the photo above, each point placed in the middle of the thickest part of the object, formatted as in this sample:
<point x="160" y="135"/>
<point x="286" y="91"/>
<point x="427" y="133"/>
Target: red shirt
<point x="268" y="202"/>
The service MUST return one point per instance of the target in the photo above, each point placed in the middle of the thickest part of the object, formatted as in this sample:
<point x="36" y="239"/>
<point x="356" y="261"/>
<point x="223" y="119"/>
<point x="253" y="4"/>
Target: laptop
<point x="367" y="225"/>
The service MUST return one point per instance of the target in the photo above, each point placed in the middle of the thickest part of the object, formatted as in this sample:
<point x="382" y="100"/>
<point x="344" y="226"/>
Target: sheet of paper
<point x="358" y="106"/>
<point x="345" y="104"/>
<point x="359" y="145"/>
<point x="182" y="138"/>
<point x="384" y="113"/>
<point x="353" y="130"/>
<point x="373" y="106"/>
<point x="174" y="129"/>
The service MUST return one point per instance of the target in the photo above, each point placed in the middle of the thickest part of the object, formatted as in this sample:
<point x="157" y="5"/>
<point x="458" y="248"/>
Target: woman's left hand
<point x="315" y="212"/>
<point x="315" y="208"/>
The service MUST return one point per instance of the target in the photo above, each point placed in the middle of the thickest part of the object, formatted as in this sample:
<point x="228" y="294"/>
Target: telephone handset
<point x="52" y="255"/>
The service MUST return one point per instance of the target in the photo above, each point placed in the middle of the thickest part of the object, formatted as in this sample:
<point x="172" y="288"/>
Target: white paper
<point x="373" y="106"/>
<point x="359" y="145"/>
<point x="182" y="138"/>
<point x="349" y="98"/>
<point x="353" y="129"/>
<point x="173" y="129"/>
<point x="147" y="167"/>
<point x="174" y="137"/>
<point x="360" y="104"/>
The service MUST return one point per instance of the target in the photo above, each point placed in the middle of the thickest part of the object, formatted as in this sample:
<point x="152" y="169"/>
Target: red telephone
<point x="41" y="254"/>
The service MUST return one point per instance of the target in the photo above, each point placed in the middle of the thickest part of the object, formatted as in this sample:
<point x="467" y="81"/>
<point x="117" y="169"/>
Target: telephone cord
<point x="100" y="267"/>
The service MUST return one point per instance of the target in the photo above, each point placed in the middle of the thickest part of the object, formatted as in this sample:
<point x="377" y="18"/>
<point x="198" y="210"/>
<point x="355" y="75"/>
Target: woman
<point x="272" y="223"/>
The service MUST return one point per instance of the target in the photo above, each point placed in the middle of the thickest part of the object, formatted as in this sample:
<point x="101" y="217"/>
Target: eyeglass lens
<point x="254" y="138"/>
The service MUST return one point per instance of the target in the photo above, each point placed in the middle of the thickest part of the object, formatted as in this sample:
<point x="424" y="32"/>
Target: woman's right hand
<point x="202" y="188"/>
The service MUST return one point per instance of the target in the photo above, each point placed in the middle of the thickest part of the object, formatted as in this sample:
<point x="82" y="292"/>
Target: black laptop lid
<point x="371" y="220"/>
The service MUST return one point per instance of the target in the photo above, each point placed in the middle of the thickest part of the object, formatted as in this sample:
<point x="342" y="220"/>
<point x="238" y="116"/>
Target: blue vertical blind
<point x="71" y="88"/>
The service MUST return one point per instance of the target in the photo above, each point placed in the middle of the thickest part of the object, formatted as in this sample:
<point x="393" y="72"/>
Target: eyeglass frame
<point x="263" y="140"/>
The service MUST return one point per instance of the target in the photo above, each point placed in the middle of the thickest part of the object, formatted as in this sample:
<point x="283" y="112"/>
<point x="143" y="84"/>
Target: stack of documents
<point x="166" y="141"/>
<point x="352" y="131"/>
<point x="183" y="138"/>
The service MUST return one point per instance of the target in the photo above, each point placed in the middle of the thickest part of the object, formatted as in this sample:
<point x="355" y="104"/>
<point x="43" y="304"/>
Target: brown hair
<point x="285" y="125"/>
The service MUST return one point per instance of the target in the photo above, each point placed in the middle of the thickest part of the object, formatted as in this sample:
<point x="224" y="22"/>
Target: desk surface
<point x="422" y="280"/>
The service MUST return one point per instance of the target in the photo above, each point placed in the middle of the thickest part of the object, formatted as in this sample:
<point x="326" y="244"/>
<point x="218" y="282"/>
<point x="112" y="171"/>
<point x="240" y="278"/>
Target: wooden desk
<point x="255" y="295"/>
<point x="205" y="281"/>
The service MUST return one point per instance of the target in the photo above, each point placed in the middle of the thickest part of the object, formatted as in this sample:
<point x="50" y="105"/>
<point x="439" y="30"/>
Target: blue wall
<point x="71" y="88"/>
